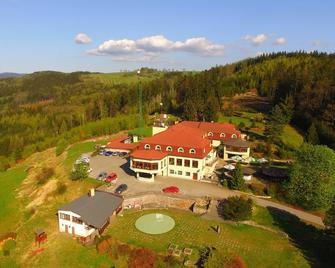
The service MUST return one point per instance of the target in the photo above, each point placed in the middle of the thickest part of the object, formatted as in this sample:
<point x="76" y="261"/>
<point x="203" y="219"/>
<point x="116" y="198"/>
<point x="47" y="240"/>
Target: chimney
<point x="92" y="192"/>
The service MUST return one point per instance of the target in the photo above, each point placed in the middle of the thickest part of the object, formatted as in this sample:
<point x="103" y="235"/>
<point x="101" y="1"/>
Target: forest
<point x="46" y="109"/>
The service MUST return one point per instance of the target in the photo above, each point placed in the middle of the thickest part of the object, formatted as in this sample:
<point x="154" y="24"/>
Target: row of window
<point x="179" y="172"/>
<point x="222" y="135"/>
<point x="169" y="149"/>
<point x="179" y="162"/>
<point x="67" y="217"/>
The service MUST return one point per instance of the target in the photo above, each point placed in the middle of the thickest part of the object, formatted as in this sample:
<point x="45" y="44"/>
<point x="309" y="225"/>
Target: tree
<point x="312" y="136"/>
<point x="237" y="180"/>
<point x="275" y="124"/>
<point x="287" y="108"/>
<point x="235" y="208"/>
<point x="61" y="146"/>
<point x="311" y="181"/>
<point x="80" y="171"/>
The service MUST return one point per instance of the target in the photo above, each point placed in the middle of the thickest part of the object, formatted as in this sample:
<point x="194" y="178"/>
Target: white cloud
<point x="82" y="38"/>
<point x="256" y="39"/>
<point x="280" y="41"/>
<point x="148" y="48"/>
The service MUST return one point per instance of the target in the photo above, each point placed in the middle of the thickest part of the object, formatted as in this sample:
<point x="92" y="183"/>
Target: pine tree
<point x="237" y="180"/>
<point x="312" y="136"/>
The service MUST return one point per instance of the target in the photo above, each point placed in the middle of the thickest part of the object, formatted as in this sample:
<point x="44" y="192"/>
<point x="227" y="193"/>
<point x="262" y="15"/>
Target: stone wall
<point x="158" y="200"/>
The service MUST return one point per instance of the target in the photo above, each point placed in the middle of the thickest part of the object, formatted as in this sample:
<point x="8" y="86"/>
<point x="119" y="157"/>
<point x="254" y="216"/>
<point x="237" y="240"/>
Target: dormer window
<point x="210" y="134"/>
<point x="222" y="135"/>
<point x="158" y="148"/>
<point x="147" y="147"/>
<point x="192" y="151"/>
<point x="180" y="150"/>
<point x="234" y="136"/>
<point x="169" y="149"/>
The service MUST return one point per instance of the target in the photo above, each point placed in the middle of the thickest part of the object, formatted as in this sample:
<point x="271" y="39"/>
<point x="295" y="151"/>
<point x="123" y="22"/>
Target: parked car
<point x="115" y="154"/>
<point x="171" y="189"/>
<point x="85" y="159"/>
<point x="107" y="153"/>
<point x="112" y="177"/>
<point x="121" y="188"/>
<point x="123" y="154"/>
<point x="102" y="152"/>
<point x="102" y="175"/>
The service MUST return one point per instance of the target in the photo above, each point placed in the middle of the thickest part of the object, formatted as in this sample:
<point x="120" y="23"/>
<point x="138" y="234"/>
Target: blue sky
<point x="117" y="35"/>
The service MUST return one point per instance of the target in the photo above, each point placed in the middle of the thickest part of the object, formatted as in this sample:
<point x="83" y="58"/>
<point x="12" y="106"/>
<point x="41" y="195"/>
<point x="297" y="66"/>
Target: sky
<point x="110" y="35"/>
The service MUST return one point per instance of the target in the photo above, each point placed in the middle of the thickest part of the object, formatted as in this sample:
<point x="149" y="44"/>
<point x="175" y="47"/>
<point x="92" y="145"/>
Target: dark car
<point x="121" y="188"/>
<point x="107" y="153"/>
<point x="102" y="175"/>
<point x="123" y="154"/>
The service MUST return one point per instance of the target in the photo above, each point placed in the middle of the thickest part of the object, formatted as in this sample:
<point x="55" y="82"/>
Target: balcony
<point x="236" y="149"/>
<point x="144" y="165"/>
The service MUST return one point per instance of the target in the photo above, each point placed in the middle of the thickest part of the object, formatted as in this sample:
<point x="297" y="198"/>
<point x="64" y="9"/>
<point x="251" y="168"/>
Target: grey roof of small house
<point x="237" y="143"/>
<point x="95" y="210"/>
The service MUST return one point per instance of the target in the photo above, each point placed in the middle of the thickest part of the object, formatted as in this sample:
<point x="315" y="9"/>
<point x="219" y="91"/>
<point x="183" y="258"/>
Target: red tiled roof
<point x="214" y="127"/>
<point x="148" y="154"/>
<point x="118" y="144"/>
<point x="180" y="136"/>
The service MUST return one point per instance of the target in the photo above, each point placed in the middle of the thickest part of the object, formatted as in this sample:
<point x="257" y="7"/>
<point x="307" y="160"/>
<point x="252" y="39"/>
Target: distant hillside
<point x="38" y="109"/>
<point x="10" y="75"/>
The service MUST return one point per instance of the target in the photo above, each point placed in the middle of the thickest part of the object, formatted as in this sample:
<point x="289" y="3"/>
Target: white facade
<point x="228" y="153"/>
<point x="68" y="224"/>
<point x="175" y="166"/>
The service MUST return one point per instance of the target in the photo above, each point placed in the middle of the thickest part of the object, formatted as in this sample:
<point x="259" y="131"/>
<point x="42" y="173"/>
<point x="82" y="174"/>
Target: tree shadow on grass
<point x="311" y="241"/>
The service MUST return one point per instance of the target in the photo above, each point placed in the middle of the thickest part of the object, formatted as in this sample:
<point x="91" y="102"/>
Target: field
<point x="10" y="181"/>
<point x="291" y="137"/>
<point x="259" y="248"/>
<point x="123" y="77"/>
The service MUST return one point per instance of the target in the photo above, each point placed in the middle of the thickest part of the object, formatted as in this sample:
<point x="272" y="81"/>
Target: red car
<point x="112" y="177"/>
<point x="171" y="189"/>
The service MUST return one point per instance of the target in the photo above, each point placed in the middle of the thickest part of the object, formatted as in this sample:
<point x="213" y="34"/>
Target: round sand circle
<point x="155" y="223"/>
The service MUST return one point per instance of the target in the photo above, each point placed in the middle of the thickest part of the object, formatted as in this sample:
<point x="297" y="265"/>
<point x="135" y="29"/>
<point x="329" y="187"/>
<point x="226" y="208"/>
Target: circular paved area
<point x="155" y="223"/>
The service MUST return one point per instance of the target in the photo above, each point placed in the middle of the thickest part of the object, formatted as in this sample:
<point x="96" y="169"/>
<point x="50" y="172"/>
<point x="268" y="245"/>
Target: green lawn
<point x="291" y="137"/>
<point x="122" y="77"/>
<point x="246" y="118"/>
<point x="147" y="131"/>
<point x="10" y="180"/>
<point x="259" y="248"/>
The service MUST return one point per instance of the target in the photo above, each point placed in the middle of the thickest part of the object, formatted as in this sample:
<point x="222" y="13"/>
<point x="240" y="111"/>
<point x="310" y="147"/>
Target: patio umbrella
<point x="229" y="167"/>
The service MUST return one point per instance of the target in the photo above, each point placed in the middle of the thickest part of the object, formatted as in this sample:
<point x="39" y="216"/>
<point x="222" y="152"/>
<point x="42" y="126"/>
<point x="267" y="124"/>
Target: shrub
<point x="29" y="212"/>
<point x="8" y="246"/>
<point x="61" y="188"/>
<point x="61" y="146"/>
<point x="235" y="208"/>
<point x="237" y="262"/>
<point x="124" y="249"/>
<point x="257" y="189"/>
<point x="142" y="258"/>
<point x="80" y="171"/>
<point x="260" y="148"/>
<point x="45" y="175"/>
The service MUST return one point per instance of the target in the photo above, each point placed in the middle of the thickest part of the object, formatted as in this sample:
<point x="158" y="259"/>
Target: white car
<point x="85" y="159"/>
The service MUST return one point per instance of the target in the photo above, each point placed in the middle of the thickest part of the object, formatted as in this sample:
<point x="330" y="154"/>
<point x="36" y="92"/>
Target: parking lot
<point x="120" y="166"/>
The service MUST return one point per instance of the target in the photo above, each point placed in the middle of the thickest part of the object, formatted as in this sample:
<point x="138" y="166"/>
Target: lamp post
<point x="140" y="108"/>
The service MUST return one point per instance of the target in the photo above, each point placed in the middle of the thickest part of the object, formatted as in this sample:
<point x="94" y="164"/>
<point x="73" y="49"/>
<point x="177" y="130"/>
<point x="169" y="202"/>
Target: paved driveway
<point x="187" y="187"/>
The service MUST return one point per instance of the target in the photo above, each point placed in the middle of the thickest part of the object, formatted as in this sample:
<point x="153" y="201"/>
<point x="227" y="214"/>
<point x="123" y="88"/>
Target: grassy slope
<point x="291" y="137"/>
<point x="122" y="77"/>
<point x="257" y="247"/>
<point x="9" y="205"/>
<point x="59" y="251"/>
